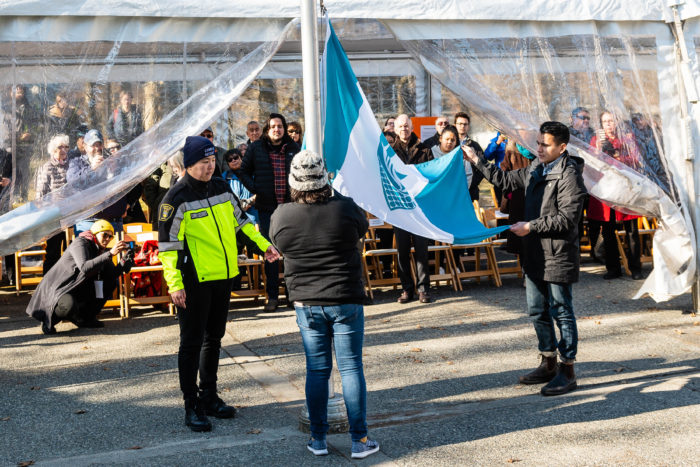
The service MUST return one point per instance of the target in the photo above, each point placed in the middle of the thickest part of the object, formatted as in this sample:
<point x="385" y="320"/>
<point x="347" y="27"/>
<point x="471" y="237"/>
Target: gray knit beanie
<point x="308" y="173"/>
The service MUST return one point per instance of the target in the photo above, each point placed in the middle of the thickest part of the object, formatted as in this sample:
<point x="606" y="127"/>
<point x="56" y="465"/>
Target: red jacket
<point x="625" y="150"/>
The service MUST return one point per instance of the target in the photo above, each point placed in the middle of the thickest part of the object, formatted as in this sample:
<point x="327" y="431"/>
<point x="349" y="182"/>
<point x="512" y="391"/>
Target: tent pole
<point x="310" y="69"/>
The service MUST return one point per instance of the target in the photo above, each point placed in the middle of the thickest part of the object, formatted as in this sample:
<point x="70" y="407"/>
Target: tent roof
<point x="500" y="10"/>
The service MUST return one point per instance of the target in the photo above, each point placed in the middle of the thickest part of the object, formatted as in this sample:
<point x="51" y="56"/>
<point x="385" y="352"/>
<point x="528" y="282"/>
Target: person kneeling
<point x="77" y="286"/>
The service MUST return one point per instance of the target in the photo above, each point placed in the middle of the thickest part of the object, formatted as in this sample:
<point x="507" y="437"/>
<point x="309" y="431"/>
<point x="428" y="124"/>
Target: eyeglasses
<point x="233" y="158"/>
<point x="64" y="147"/>
<point x="583" y="117"/>
<point x="293" y="132"/>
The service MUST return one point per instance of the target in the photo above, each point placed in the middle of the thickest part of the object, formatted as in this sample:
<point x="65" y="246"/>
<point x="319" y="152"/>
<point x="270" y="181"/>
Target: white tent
<point x="664" y="40"/>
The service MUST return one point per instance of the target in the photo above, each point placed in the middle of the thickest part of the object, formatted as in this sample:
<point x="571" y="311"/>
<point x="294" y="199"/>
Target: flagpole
<point x="310" y="64"/>
<point x="337" y="414"/>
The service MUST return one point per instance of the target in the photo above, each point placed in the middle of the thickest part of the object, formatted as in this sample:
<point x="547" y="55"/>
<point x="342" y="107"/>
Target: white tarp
<point x="497" y="10"/>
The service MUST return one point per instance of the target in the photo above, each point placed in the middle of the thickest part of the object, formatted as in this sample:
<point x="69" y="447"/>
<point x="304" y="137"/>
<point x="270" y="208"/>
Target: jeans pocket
<point x="349" y="313"/>
<point x="305" y="317"/>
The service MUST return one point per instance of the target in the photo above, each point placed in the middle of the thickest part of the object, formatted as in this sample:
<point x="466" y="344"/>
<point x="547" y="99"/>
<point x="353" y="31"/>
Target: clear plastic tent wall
<point x="519" y="74"/>
<point x="180" y="77"/>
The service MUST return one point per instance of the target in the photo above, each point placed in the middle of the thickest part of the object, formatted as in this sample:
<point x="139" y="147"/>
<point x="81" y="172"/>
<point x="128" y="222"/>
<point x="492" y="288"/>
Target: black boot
<point x="543" y="373"/>
<point x="563" y="382"/>
<point x="214" y="406"/>
<point x="195" y="417"/>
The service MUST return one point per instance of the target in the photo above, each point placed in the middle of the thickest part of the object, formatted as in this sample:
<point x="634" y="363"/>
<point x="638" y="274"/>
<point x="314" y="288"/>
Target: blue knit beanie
<point x="197" y="148"/>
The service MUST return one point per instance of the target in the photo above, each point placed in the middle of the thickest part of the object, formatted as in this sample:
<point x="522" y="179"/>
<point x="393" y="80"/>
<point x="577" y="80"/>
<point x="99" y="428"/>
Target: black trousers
<point x="202" y="325"/>
<point x="403" y="245"/>
<point x="272" y="270"/>
<point x="53" y="250"/>
<point x="612" y="255"/>
<point x="81" y="305"/>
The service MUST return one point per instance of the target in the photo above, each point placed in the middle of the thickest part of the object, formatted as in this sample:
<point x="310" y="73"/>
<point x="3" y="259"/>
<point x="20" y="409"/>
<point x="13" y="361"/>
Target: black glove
<point x="127" y="261"/>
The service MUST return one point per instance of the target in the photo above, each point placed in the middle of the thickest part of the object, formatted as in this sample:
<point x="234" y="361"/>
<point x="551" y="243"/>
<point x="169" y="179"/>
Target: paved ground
<point x="441" y="381"/>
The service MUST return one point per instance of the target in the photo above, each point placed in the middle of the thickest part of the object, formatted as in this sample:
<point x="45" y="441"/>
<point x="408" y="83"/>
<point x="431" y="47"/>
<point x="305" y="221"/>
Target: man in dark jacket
<point x="554" y="197"/>
<point x="264" y="173"/>
<point x="411" y="151"/>
<point x="78" y="285"/>
<point x="317" y="233"/>
<point x="463" y="123"/>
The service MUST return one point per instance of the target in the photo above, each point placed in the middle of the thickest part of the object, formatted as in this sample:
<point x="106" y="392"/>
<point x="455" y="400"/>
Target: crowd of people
<point x="210" y="205"/>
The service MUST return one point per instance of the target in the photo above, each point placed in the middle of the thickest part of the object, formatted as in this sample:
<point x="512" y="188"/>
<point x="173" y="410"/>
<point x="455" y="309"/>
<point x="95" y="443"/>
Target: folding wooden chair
<point x="29" y="275"/>
<point x="489" y="217"/>
<point x="252" y="272"/>
<point x="139" y="234"/>
<point x="372" y="266"/>
<point x="646" y="228"/>
<point x="468" y="259"/>
<point x="448" y="274"/>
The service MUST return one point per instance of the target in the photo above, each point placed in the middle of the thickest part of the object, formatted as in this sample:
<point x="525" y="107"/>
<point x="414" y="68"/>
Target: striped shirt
<point x="51" y="177"/>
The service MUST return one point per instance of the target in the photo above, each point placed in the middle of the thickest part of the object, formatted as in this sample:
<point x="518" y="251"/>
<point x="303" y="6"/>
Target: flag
<point x="430" y="199"/>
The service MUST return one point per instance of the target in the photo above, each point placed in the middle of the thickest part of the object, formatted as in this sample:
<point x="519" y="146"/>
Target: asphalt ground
<point x="441" y="378"/>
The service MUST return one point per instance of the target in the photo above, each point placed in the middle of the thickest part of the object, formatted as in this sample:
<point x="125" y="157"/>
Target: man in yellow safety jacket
<point x="198" y="220"/>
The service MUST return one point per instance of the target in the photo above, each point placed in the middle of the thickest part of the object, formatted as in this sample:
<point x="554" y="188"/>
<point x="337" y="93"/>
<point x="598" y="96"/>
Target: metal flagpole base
<point x="337" y="413"/>
<point x="337" y="416"/>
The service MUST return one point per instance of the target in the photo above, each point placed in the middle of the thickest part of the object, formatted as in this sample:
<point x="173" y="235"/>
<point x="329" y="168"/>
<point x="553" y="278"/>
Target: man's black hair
<point x="462" y="115"/>
<point x="451" y="129"/>
<point x="266" y="128"/>
<point x="558" y="130"/>
<point x="232" y="151"/>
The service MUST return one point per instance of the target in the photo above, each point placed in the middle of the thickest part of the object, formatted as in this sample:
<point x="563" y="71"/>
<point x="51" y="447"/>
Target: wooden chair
<point x="29" y="275"/>
<point x="372" y="267"/>
<point x="252" y="272"/>
<point x="490" y="218"/>
<point x="448" y="274"/>
<point x="647" y="228"/>
<point x="469" y="256"/>
<point x="139" y="235"/>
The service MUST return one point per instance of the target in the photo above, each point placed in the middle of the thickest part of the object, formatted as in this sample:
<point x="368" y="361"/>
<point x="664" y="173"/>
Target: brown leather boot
<point x="563" y="382"/>
<point x="543" y="373"/>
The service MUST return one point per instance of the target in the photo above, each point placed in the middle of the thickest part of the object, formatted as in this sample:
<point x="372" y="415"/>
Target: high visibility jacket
<point x="197" y="225"/>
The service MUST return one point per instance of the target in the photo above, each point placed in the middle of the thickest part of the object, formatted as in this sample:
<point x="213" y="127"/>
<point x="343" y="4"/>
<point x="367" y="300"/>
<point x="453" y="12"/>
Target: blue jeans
<point x="320" y="327"/>
<point x="548" y="302"/>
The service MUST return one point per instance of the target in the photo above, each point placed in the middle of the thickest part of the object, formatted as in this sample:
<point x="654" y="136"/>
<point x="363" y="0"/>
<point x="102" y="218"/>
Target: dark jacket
<point x="124" y="126"/>
<point x="412" y="152"/>
<point x="432" y="141"/>
<point x="81" y="264"/>
<point x="256" y="171"/>
<point x="553" y="206"/>
<point x="322" y="263"/>
<point x="477" y="176"/>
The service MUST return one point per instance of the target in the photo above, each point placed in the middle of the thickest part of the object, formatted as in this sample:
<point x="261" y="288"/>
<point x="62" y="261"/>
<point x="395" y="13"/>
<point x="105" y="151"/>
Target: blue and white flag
<point x="429" y="199"/>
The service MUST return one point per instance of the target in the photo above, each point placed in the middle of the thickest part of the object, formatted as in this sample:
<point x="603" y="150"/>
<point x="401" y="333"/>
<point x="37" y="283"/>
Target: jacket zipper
<point x="223" y="247"/>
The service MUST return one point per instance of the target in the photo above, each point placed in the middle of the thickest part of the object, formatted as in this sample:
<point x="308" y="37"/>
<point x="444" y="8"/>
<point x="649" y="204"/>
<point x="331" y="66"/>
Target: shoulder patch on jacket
<point x="166" y="212"/>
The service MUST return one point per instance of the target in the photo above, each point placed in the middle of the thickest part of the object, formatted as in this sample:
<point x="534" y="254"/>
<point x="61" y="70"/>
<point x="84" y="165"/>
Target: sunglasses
<point x="583" y="117"/>
<point x="293" y="132"/>
<point x="233" y="158"/>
